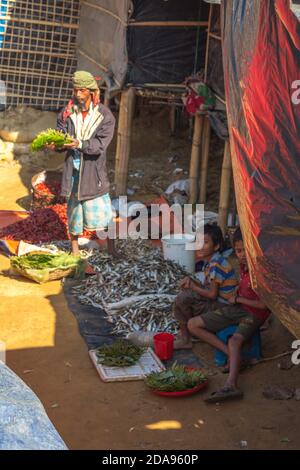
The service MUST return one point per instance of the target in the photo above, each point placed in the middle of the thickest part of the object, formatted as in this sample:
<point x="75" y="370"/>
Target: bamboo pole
<point x="207" y="42"/>
<point x="173" y="119"/>
<point x="225" y="187"/>
<point x="215" y="36"/>
<point x="169" y="23"/>
<point x="39" y="22"/>
<point x="195" y="158"/>
<point x="204" y="160"/>
<point x="124" y="140"/>
<point x="107" y="98"/>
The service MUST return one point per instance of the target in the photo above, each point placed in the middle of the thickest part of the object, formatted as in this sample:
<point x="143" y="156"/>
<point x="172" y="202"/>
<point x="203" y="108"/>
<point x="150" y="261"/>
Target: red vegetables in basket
<point x="49" y="188"/>
<point x="43" y="225"/>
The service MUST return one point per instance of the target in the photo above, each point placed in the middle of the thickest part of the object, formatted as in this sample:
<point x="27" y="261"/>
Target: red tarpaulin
<point x="261" y="54"/>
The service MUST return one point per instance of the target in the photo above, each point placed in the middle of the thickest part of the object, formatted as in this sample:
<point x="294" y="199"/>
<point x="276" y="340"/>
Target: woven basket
<point x="61" y="273"/>
<point x="41" y="198"/>
<point x="53" y="275"/>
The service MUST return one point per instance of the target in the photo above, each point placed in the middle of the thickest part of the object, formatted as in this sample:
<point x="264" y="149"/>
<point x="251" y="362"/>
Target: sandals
<point x="224" y="394"/>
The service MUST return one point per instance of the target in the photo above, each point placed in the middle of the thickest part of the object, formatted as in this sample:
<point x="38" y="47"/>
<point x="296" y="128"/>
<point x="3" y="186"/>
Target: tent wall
<point x="165" y="54"/>
<point x="102" y="39"/>
<point x="261" y="52"/>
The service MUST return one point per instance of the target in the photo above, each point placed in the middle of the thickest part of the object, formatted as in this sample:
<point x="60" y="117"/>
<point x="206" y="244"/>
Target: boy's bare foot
<point x="181" y="343"/>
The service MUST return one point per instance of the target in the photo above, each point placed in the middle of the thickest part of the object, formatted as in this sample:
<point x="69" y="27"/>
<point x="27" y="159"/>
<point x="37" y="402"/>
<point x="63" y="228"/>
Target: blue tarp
<point x="24" y="424"/>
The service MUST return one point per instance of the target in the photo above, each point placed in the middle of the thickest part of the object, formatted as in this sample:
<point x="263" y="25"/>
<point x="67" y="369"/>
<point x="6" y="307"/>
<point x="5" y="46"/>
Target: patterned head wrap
<point x="82" y="79"/>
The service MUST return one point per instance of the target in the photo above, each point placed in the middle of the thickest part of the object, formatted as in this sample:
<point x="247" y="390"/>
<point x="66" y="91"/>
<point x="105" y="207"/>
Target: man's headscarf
<point x="82" y="79"/>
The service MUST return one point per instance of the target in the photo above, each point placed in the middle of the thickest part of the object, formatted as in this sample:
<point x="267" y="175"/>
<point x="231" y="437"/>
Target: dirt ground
<point x="45" y="349"/>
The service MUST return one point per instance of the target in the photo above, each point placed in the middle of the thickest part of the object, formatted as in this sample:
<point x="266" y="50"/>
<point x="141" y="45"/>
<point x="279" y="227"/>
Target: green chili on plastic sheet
<point x="119" y="354"/>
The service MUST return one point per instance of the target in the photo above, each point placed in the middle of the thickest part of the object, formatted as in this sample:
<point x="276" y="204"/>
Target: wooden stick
<point x="207" y="42"/>
<point x="215" y="36"/>
<point x="51" y="54"/>
<point x="124" y="140"/>
<point x="39" y="22"/>
<point x="168" y="23"/>
<point x="165" y="85"/>
<point x="278" y="356"/>
<point x="204" y="161"/>
<point x="225" y="187"/>
<point x="173" y="119"/>
<point x="195" y="158"/>
<point x="34" y="73"/>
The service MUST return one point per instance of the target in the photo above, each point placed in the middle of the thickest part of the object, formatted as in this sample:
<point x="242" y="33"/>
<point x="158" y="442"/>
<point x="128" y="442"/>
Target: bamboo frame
<point x="39" y="76"/>
<point x="195" y="158"/>
<point x="204" y="160"/>
<point x="191" y="24"/>
<point x="124" y="140"/>
<point x="32" y="73"/>
<point x="173" y="119"/>
<point x="38" y="22"/>
<point x="50" y="54"/>
<point x="215" y="36"/>
<point x="225" y="187"/>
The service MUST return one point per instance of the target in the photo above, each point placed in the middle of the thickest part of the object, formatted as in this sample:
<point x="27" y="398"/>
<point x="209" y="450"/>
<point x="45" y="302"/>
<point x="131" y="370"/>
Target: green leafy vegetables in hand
<point x="48" y="137"/>
<point x="175" y="379"/>
<point x="120" y="354"/>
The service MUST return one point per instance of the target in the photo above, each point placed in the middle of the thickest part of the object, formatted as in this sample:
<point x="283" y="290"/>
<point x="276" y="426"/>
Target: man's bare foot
<point x="181" y="343"/>
<point x="89" y="270"/>
<point x="111" y="249"/>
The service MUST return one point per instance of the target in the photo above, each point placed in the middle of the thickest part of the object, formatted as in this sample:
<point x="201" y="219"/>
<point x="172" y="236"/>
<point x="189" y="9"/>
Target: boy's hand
<point x="185" y="283"/>
<point x="193" y="284"/>
<point x="232" y="299"/>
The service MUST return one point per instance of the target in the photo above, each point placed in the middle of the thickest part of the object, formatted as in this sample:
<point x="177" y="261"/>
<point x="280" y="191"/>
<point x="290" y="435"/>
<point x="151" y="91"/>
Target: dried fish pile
<point x="137" y="290"/>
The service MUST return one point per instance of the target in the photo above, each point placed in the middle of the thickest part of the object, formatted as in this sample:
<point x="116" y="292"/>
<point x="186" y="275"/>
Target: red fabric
<point x="261" y="56"/>
<point x="84" y="114"/>
<point x="246" y="291"/>
<point x="193" y="102"/>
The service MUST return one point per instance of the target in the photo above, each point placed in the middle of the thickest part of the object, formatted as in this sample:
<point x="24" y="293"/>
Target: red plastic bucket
<point x="164" y="345"/>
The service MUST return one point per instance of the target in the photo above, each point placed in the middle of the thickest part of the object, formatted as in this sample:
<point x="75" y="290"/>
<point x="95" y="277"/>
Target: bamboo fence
<point x="38" y="51"/>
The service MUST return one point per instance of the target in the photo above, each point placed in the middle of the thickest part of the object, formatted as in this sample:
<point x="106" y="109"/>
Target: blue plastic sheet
<point x="24" y="424"/>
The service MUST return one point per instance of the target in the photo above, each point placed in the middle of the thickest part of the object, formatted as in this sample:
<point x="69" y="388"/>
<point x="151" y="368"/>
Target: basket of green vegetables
<point x="43" y="267"/>
<point x="121" y="353"/>
<point x="50" y="136"/>
<point x="176" y="381"/>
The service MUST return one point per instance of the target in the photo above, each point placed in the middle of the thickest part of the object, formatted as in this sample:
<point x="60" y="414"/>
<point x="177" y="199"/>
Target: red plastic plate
<point x="183" y="393"/>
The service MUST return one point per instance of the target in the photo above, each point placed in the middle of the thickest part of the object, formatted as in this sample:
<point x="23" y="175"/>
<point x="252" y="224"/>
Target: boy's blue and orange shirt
<point x="219" y="270"/>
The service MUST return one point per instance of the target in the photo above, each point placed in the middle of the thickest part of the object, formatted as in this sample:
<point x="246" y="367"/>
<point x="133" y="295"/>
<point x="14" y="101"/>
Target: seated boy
<point x="247" y="311"/>
<point x="219" y="283"/>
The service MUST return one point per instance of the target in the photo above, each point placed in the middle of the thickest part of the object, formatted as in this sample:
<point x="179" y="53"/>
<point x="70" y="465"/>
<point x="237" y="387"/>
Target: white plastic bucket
<point x="175" y="249"/>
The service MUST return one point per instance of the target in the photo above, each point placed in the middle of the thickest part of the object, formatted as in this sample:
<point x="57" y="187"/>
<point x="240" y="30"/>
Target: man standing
<point x="85" y="183"/>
